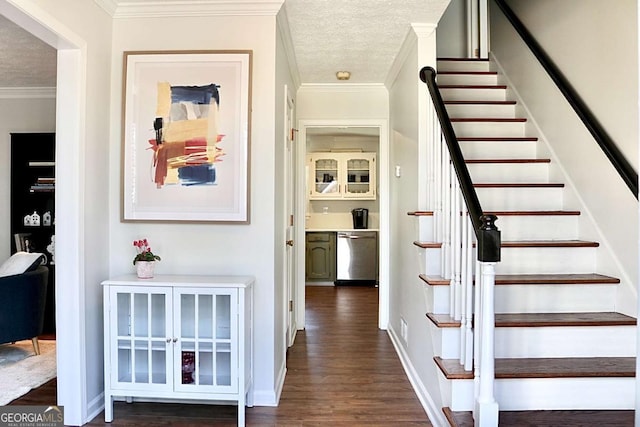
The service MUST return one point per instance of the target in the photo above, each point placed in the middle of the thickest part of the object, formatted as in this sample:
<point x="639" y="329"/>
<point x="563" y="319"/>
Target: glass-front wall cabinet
<point x="342" y="176"/>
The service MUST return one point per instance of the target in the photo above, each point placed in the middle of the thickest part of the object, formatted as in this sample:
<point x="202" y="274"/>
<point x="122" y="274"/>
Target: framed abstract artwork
<point x="186" y="136"/>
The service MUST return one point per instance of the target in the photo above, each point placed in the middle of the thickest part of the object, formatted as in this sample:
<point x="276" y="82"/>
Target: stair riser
<point x="437" y="299"/>
<point x="446" y="342"/>
<point x="520" y="199"/>
<point x="509" y="172"/>
<point x="425" y="230"/>
<point x="467" y="79"/>
<point x="444" y="65"/>
<point x="538" y="227"/>
<point x="498" y="149"/>
<point x="485" y="129"/>
<point x="546" y="261"/>
<point x="560" y="341"/>
<point x="536" y="298"/>
<point x="481" y="110"/>
<point x="472" y="94"/>
<point x="547" y="394"/>
<point x="566" y="393"/>
<point x="554" y="298"/>
<point x="430" y="261"/>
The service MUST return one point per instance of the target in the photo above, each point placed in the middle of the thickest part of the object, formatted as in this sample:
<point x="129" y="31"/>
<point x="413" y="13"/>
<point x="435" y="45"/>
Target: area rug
<point x="22" y="370"/>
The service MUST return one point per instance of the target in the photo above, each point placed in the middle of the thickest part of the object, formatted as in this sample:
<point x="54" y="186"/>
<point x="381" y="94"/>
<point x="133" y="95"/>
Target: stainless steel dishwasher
<point x="357" y="258"/>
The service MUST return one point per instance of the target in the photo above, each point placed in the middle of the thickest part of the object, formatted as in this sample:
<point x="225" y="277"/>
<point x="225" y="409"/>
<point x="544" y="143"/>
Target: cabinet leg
<point x="241" y="414"/>
<point x="108" y="408"/>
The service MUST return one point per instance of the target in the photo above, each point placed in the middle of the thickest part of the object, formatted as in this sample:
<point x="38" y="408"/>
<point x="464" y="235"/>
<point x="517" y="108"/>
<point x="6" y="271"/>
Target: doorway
<point x="344" y="130"/>
<point x="70" y="277"/>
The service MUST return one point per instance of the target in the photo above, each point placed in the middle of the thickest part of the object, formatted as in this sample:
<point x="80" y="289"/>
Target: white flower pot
<point x="145" y="269"/>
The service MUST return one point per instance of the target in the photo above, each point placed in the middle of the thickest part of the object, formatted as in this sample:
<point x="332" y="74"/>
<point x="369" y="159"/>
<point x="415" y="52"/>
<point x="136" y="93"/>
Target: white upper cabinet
<point x="341" y="176"/>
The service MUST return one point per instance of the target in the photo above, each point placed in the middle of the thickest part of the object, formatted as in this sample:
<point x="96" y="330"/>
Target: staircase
<point x="561" y="348"/>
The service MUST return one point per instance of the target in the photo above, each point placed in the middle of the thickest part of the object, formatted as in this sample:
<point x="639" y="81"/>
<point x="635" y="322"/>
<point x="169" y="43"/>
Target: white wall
<point x="408" y="104"/>
<point x="18" y="115"/>
<point x="452" y="31"/>
<point x="598" y="55"/>
<point x="213" y="248"/>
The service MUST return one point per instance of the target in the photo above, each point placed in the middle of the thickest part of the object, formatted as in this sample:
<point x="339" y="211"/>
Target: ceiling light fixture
<point x="343" y="75"/>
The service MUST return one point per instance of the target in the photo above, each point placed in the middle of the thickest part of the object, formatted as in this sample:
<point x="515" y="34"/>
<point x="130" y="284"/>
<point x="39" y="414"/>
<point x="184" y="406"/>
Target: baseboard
<point x="434" y="413"/>
<point x="280" y="381"/>
<point x="95" y="407"/>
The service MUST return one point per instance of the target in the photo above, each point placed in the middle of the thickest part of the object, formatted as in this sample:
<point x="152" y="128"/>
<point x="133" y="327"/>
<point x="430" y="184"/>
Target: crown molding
<point x="175" y="8"/>
<point x="285" y="33"/>
<point x="415" y="33"/>
<point x="27" y="92"/>
<point x="109" y="6"/>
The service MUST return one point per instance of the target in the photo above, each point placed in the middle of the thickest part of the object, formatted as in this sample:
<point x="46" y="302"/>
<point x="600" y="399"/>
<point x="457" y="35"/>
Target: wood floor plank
<point x="341" y="371"/>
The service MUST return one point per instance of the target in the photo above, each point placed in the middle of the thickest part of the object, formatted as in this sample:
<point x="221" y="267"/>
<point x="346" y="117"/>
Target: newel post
<point x="486" y="407"/>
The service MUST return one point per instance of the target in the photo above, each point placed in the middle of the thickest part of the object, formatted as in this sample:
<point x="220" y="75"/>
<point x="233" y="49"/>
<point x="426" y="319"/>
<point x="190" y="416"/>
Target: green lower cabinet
<point x="321" y="257"/>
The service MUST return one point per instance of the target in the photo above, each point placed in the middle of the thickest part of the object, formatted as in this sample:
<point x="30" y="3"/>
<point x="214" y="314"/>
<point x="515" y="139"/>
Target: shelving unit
<point x="33" y="191"/>
<point x="178" y="337"/>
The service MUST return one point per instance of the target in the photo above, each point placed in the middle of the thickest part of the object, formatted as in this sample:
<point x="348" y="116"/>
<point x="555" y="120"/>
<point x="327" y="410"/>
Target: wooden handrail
<point x="487" y="233"/>
<point x="608" y="146"/>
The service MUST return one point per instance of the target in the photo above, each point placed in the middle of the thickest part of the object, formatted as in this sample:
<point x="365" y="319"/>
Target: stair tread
<point x="488" y="119"/>
<point x="532" y="213"/>
<point x="472" y="86"/>
<point x="434" y="280"/>
<point x="479" y="102"/>
<point x="563" y="319"/>
<point x="566" y="418"/>
<point x="536" y="279"/>
<point x="476" y="161"/>
<point x="471" y="73"/>
<point x="548" y="367"/>
<point x="420" y="213"/>
<point x="549" y="244"/>
<point x="520" y="185"/>
<point x="554" y="279"/>
<point x="513" y="320"/>
<point x="456" y="59"/>
<point x="497" y="138"/>
<point x="428" y="245"/>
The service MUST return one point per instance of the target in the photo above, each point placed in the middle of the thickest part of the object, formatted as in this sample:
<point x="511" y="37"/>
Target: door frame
<point x="290" y="186"/>
<point x="383" y="199"/>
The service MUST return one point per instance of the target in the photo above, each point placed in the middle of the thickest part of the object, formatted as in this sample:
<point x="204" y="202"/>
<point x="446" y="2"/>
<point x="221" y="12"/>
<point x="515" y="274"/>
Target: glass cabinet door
<point x="325" y="174"/>
<point x="207" y="339"/>
<point x="142" y="326"/>
<point x="359" y="176"/>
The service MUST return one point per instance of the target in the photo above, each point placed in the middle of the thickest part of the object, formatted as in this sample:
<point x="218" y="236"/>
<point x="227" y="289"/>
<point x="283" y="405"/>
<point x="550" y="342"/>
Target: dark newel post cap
<point x="488" y="240"/>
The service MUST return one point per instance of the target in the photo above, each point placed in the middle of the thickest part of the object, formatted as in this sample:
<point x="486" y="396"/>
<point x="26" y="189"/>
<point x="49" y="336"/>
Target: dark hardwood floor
<point x="342" y="371"/>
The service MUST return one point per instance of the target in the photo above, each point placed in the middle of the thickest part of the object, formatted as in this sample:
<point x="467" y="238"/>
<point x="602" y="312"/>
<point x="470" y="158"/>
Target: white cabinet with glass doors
<point x="342" y="176"/>
<point x="178" y="337"/>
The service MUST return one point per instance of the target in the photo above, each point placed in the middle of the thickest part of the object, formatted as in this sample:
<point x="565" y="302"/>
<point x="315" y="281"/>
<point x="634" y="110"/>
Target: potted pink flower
<point x="144" y="259"/>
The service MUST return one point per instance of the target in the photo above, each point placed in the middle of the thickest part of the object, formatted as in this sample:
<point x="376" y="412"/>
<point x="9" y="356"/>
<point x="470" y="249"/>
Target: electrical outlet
<point x="404" y="330"/>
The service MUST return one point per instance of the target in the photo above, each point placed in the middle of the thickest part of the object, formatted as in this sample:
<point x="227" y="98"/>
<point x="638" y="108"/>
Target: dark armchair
<point x="22" y="302"/>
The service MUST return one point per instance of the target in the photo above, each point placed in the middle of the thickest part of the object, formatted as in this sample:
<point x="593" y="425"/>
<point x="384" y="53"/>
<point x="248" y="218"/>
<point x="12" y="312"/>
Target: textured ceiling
<point x="360" y="36"/>
<point x="25" y="61"/>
